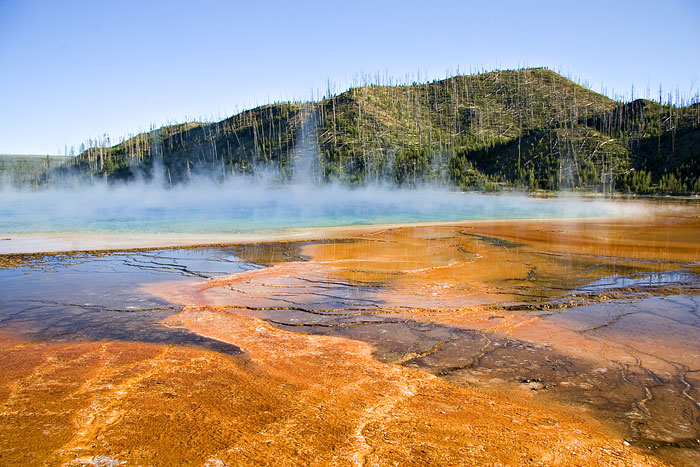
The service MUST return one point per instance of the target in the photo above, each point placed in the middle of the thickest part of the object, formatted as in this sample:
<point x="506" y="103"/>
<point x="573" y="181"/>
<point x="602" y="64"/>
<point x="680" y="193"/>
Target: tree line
<point x="529" y="129"/>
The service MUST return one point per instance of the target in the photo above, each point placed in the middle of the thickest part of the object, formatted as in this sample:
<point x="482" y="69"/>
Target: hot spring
<point x="244" y="207"/>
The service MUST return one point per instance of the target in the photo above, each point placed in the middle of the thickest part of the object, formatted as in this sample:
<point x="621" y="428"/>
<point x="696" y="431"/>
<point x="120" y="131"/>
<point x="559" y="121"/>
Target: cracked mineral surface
<point x="500" y="342"/>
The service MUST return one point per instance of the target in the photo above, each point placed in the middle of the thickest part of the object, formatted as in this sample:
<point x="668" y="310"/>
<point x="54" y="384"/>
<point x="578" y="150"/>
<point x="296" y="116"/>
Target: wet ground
<point x="632" y="360"/>
<point x="638" y="377"/>
<point x="600" y="316"/>
<point x="92" y="297"/>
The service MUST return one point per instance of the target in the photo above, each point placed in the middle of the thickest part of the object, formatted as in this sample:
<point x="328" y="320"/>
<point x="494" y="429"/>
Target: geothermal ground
<point x="494" y="342"/>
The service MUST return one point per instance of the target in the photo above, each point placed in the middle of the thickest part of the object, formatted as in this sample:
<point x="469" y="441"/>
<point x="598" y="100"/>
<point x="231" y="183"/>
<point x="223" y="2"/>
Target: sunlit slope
<point x="529" y="128"/>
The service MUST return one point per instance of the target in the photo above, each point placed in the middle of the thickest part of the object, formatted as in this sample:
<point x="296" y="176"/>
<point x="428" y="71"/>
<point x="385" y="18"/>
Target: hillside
<point x="28" y="169"/>
<point x="530" y="128"/>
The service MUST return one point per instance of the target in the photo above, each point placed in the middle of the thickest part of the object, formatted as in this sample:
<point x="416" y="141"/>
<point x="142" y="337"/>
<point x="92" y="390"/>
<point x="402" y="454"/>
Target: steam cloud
<point x="247" y="204"/>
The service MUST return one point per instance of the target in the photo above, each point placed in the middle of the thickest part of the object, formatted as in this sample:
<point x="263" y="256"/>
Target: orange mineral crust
<point x="512" y="285"/>
<point x="292" y="400"/>
<point x="476" y="343"/>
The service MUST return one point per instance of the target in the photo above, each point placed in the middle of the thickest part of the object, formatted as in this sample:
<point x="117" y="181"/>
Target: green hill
<point x="529" y="128"/>
<point x="28" y="169"/>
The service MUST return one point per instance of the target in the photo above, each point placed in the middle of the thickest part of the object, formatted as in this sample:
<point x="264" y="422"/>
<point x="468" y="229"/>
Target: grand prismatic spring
<point x="327" y="326"/>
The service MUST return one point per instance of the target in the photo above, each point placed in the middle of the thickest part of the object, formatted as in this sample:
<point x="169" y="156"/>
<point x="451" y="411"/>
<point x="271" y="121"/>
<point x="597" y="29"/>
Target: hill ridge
<point x="529" y="128"/>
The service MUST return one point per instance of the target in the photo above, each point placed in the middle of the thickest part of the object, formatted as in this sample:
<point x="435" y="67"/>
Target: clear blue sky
<point x="71" y="70"/>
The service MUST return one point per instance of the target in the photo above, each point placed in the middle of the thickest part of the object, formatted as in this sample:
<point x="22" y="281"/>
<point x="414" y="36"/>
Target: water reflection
<point x="96" y="297"/>
<point x="654" y="279"/>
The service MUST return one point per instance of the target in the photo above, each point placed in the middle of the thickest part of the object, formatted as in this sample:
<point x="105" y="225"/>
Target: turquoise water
<point x="246" y="208"/>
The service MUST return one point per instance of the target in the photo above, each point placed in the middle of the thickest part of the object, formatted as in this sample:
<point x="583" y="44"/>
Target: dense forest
<point x="530" y="129"/>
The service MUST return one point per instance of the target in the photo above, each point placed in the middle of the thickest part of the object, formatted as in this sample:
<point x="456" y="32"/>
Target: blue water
<point x="245" y="208"/>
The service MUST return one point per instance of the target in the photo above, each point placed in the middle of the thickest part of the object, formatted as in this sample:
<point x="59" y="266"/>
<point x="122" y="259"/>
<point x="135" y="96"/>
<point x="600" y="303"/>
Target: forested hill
<point x="528" y="129"/>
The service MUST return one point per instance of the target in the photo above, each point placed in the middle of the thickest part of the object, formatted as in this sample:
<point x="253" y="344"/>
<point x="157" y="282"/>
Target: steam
<point x="261" y="203"/>
<point x="306" y="155"/>
<point x="247" y="205"/>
